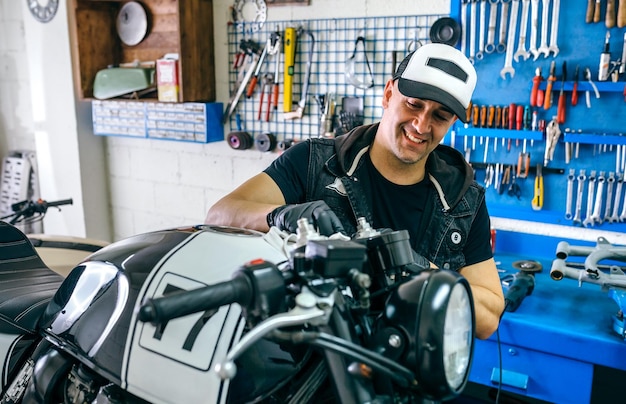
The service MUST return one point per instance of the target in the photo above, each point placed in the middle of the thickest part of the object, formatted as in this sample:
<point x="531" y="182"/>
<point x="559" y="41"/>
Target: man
<point x="395" y="174"/>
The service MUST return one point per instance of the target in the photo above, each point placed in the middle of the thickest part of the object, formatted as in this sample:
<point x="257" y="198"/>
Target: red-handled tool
<point x="547" y="102"/>
<point x="560" y="115"/>
<point x="575" y="88"/>
<point x="512" y="111"/>
<point x="519" y="117"/>
<point x="536" y="81"/>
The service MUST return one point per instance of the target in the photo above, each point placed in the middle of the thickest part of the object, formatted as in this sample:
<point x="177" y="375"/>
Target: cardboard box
<point x="167" y="80"/>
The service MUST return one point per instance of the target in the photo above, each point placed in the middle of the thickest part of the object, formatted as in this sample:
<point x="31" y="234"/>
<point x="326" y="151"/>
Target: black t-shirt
<point x="397" y="207"/>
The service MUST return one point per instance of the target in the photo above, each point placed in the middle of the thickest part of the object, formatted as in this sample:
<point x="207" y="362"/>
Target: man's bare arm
<point x="248" y="205"/>
<point x="488" y="297"/>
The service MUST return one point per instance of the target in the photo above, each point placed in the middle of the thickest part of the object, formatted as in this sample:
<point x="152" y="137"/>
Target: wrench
<point x="472" y="44"/>
<point x="570" y="190"/>
<point x="491" y="36"/>
<point x="592" y="183"/>
<point x="521" y="45"/>
<point x="508" y="58"/>
<point x="618" y="197"/>
<point x="482" y="29"/>
<point x="554" y="31"/>
<point x="545" y="9"/>
<point x="597" y="207"/>
<point x="622" y="216"/>
<point x="504" y="16"/>
<point x="464" y="25"/>
<point x="579" y="197"/>
<point x="610" y="183"/>
<point x="534" y="21"/>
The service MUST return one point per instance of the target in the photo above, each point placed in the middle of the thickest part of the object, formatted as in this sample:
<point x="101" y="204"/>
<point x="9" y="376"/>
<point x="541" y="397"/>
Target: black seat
<point x="26" y="283"/>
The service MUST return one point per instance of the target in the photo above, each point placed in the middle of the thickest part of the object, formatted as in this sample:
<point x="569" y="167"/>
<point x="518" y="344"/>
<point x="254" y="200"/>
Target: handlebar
<point x="26" y="209"/>
<point x="184" y="302"/>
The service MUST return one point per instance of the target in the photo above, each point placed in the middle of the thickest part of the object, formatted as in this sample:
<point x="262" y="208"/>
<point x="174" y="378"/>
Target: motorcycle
<point x="226" y="315"/>
<point x="60" y="253"/>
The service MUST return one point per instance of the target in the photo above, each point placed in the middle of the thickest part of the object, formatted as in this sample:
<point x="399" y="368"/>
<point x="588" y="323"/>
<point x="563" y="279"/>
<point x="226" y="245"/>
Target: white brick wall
<point x="16" y="128"/>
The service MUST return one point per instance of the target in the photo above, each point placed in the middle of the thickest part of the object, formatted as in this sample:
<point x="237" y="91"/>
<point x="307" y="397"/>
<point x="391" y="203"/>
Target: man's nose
<point x="422" y="122"/>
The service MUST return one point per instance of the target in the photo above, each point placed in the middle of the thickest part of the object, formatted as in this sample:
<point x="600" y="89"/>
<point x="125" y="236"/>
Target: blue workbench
<point x="559" y="336"/>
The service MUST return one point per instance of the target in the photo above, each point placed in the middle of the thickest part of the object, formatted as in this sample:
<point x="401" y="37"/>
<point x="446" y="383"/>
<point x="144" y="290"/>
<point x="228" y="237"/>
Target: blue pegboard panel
<point x="593" y="134"/>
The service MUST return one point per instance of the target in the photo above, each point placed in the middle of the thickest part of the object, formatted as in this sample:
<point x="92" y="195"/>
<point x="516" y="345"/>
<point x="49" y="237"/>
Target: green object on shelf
<point x="118" y="81"/>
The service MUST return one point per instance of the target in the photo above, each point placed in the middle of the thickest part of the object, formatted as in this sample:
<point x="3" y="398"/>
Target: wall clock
<point x="43" y="10"/>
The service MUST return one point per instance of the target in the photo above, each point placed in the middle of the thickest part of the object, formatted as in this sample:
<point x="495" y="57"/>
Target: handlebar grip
<point x="179" y="304"/>
<point x="60" y="202"/>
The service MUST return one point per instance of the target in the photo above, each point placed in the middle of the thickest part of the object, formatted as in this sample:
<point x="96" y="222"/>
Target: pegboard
<point x="594" y="134"/>
<point x="386" y="41"/>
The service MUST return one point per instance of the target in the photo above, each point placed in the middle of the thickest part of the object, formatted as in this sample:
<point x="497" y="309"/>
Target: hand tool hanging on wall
<point x="504" y="15"/>
<point x="596" y="11"/>
<point x="490" y="46"/>
<point x="610" y="17"/>
<point x="533" y="92"/>
<point x="275" y="52"/>
<point x="545" y="15"/>
<point x="553" y="132"/>
<point x="481" y="30"/>
<point x="257" y="71"/>
<point x="621" y="15"/>
<point x="610" y="184"/>
<point x="297" y="114"/>
<point x="537" y="201"/>
<point x="593" y="85"/>
<point x="580" y="181"/>
<point x="591" y="186"/>
<point x="521" y="45"/>
<point x="463" y="32"/>
<point x="547" y="101"/>
<point x="560" y="115"/>
<point x="605" y="59"/>
<point x="534" y="27"/>
<point x="596" y="216"/>
<point x="250" y="56"/>
<point x="622" y="66"/>
<point x="554" y="30"/>
<point x="575" y="87"/>
<point x="508" y="58"/>
<point x="569" y="194"/>
<point x="290" y="61"/>
<point x="590" y="11"/>
<point x="618" y="197"/>
<point x="360" y="80"/>
<point x="473" y="31"/>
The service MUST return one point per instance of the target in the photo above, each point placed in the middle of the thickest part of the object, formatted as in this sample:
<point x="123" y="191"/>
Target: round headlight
<point x="435" y="313"/>
<point x="457" y="336"/>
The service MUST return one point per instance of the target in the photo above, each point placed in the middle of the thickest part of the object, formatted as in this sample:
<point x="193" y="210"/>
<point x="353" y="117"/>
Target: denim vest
<point x="335" y="173"/>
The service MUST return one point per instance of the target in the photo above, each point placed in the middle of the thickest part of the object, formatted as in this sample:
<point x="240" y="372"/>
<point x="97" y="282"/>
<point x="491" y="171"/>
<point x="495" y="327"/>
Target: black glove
<point x="318" y="214"/>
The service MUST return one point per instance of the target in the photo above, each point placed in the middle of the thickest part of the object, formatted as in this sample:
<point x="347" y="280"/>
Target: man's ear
<point x="387" y="93"/>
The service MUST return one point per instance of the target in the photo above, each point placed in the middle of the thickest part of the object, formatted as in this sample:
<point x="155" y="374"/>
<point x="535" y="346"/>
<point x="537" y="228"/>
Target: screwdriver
<point x="537" y="202"/>
<point x="536" y="81"/>
<point x="560" y="115"/>
<point x="575" y="88"/>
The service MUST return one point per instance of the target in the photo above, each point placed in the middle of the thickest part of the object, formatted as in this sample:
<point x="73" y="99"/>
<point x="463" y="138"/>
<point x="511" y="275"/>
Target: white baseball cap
<point x="438" y="72"/>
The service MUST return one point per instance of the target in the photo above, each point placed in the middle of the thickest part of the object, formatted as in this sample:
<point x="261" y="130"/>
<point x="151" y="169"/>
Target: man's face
<point x="412" y="127"/>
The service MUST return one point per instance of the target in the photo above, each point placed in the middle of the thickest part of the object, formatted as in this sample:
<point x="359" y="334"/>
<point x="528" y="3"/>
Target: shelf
<point x="595" y="138"/>
<point x="583" y="85"/>
<point x="184" y="27"/>
<point x="499" y="133"/>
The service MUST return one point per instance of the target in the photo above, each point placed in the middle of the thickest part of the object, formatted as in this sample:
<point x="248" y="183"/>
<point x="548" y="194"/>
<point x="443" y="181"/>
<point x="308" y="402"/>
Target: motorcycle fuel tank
<point x="94" y="313"/>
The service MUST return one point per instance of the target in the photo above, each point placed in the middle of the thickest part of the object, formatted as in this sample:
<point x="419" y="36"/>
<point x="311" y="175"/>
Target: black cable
<point x="506" y="303"/>
<point x="392" y="369"/>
